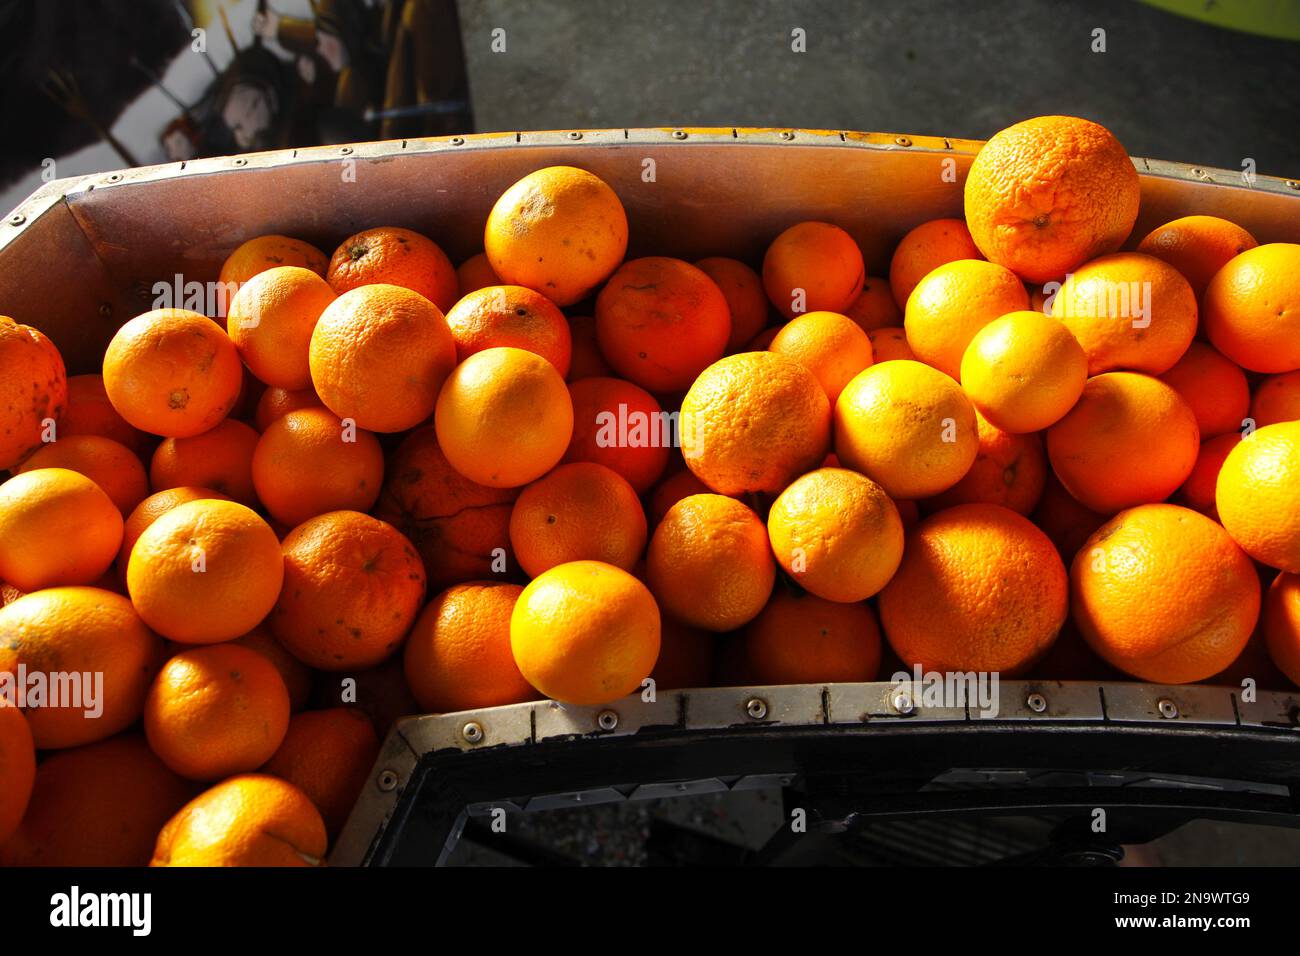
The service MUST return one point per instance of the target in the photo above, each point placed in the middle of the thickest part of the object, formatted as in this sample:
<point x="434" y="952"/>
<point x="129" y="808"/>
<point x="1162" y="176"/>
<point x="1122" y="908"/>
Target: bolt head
<point x="902" y="702"/>
<point x="387" y="780"/>
<point x="1037" y="703"/>
<point x="756" y="708"/>
<point x="472" y="732"/>
<point x="1168" y="709"/>
<point x="607" y="720"/>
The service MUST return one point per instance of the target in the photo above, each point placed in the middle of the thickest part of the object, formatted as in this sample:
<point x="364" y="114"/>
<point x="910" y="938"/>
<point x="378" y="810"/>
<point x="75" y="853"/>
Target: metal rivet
<point x="902" y="141"/>
<point x="115" y="178"/>
<point x="607" y="720"/>
<point x="1294" y="184"/>
<point x="1168" y="709"/>
<point x="1037" y="703"/>
<point x="345" y="150"/>
<point x="387" y="780"/>
<point x="472" y="731"/>
<point x="787" y="136"/>
<point x="17" y="219"/>
<point x="902" y="702"/>
<point x="239" y="161"/>
<point x="679" y="134"/>
<point x="756" y="708"/>
<point x="457" y="141"/>
<point x="681" y="788"/>
<point x="573" y="134"/>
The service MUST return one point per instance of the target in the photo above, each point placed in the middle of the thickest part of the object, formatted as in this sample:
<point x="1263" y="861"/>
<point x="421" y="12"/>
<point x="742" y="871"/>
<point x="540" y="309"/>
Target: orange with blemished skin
<point x="17" y="769"/>
<point x="268" y="252"/>
<point x="57" y="527"/>
<point x="1130" y="440"/>
<point x="1251" y="308"/>
<point x="1197" y="492"/>
<point x="1009" y="470"/>
<point x="206" y="571"/>
<point x="475" y="273"/>
<point x="952" y="303"/>
<point x="1215" y="389"/>
<point x="275" y="402"/>
<point x="1049" y="193"/>
<point x="352" y="587"/>
<point x="89" y="412"/>
<point x="830" y="345"/>
<point x="82" y="630"/>
<point x="813" y="267"/>
<point x="804" y="639"/>
<point x="980" y="588"/>
<point x="510" y="315"/>
<point x="587" y="362"/>
<point x="1276" y="399"/>
<point x="585" y="633"/>
<point x="389" y="255"/>
<point x="660" y="322"/>
<point x="458" y="655"/>
<point x="924" y="249"/>
<point x="271" y="320"/>
<point x="220" y="459"/>
<point x="599" y="404"/>
<point x="754" y="421"/>
<point x="1258" y="495"/>
<point x="327" y="754"/>
<point x="248" y="820"/>
<point x="890" y="343"/>
<point x="1197" y="246"/>
<point x="1164" y="594"/>
<point x="172" y="372"/>
<point x="1281" y="624"/>
<point x="560" y="231"/>
<point x="743" y="289"/>
<point x="1128" y="311"/>
<point x="875" y="308"/>
<point x="685" y="575"/>
<point x="379" y="355"/>
<point x="109" y="464"/>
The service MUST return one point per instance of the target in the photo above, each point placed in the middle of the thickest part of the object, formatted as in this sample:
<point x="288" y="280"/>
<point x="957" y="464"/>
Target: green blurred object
<point x="1279" y="19"/>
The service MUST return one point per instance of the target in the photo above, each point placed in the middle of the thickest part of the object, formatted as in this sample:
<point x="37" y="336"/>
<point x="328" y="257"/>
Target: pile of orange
<point x="383" y="485"/>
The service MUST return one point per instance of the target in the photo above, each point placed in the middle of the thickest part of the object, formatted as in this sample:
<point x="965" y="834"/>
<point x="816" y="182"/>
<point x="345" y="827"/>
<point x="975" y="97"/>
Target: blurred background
<point x="102" y="84"/>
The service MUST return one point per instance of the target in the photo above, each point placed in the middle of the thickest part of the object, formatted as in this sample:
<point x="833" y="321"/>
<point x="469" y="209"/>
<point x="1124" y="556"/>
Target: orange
<point x="685" y="657"/>
<point x="205" y="571"/>
<point x="107" y="463"/>
<point x="308" y="462"/>
<point x="1214" y="389"/>
<point x="1128" y="311"/>
<point x="585" y="633"/>
<point x="889" y="343"/>
<point x="216" y="711"/>
<point x="30" y="365"/>
<point x="802" y="639"/>
<point x="952" y="303"/>
<point x="979" y="589"/>
<point x="1198" y="490"/>
<point x="674" y="488"/>
<point x="560" y="231"/>
<point x="1130" y="440"/>
<point x="660" y="322"/>
<point x="1251" y="308"/>
<point x="925" y="248"/>
<point x="172" y="373"/>
<point x="504" y="418"/>
<point x="17" y="770"/>
<point x="1258" y="495"/>
<point x="389" y="255"/>
<point x="89" y="412"/>
<point x="1046" y="195"/>
<point x="754" y="421"/>
<point x="220" y="459"/>
<point x="514" y="316"/>
<point x="271" y="320"/>
<point x="1163" y="594"/>
<point x="621" y="426"/>
<point x="98" y="805"/>
<point x="688" y="575"/>
<point x="379" y="355"/>
<point x="1276" y="399"/>
<point x="379" y="692"/>
<point x="837" y="534"/>
<point x="295" y="674"/>
<point x="248" y="820"/>
<point x="875" y="308"/>
<point x="742" y="287"/>
<point x="908" y="427"/>
<point x="1281" y="625"/>
<point x="1197" y="246"/>
<point x="1009" y="470"/>
<point x="267" y="252"/>
<point x="152" y="508"/>
<point x="578" y="512"/>
<point x="56" y="527"/>
<point x="275" y="402"/>
<point x="831" y="346"/>
<point x="93" y="634"/>
<point x="762" y="340"/>
<point x="1063" y="519"/>
<point x="458" y="656"/>
<point x="1024" y="371"/>
<point x="587" y="362"/>
<point x="352" y="587"/>
<point x="475" y="273"/>
<point x="813" y="267"/>
<point x="327" y="754"/>
<point x="460" y="529"/>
